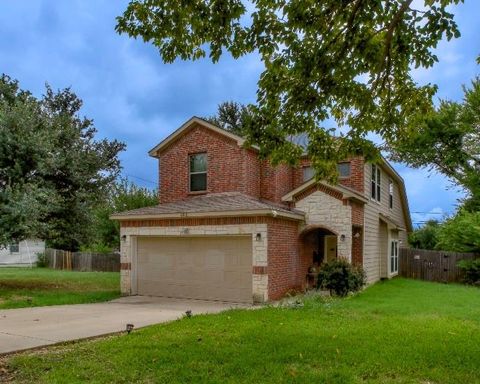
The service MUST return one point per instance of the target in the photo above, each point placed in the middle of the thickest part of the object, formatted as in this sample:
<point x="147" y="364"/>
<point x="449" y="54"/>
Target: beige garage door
<point x="210" y="268"/>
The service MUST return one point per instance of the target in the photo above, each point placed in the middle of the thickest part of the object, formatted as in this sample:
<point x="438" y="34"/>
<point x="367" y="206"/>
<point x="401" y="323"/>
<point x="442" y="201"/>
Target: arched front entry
<point x="318" y="245"/>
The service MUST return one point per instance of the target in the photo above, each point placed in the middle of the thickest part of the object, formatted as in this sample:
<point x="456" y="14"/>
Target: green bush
<point x="460" y="233"/>
<point x="471" y="269"/>
<point x="425" y="237"/>
<point x="341" y="277"/>
<point x="96" y="248"/>
<point x="42" y="261"/>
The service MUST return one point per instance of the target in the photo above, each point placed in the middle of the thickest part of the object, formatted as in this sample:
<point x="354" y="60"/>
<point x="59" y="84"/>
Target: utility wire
<point x="141" y="178"/>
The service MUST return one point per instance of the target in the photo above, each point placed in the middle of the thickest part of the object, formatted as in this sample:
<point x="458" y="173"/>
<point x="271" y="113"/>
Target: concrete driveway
<point x="26" y="328"/>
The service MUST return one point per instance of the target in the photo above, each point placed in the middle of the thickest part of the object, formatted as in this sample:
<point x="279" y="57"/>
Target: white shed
<point x="22" y="253"/>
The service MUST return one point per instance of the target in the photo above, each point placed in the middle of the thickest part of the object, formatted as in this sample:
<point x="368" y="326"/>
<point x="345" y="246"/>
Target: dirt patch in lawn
<point x="6" y="375"/>
<point x="30" y="285"/>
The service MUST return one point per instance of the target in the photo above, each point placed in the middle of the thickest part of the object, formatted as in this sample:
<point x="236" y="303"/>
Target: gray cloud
<point x="134" y="97"/>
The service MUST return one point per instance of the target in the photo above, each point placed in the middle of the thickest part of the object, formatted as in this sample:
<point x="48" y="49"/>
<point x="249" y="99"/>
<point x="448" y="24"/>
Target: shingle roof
<point x="211" y="203"/>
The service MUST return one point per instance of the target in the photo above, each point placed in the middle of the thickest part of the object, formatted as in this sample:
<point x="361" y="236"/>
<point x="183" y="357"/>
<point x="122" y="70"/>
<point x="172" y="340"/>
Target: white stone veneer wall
<point x="259" y="250"/>
<point x="324" y="210"/>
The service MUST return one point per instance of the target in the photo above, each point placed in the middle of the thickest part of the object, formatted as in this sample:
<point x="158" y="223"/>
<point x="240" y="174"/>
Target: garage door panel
<point x="155" y="275"/>
<point x="198" y="261"/>
<point x="215" y="277"/>
<point x="213" y="268"/>
<point x="183" y="260"/>
<point x="157" y="263"/>
<point x="214" y="259"/>
<point x="234" y="277"/>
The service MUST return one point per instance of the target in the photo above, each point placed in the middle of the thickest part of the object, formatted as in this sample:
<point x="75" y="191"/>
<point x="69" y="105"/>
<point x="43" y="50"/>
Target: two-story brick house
<point x="231" y="227"/>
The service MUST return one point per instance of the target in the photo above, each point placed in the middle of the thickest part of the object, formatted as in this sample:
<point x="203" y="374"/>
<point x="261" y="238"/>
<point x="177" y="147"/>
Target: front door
<point x="330" y="247"/>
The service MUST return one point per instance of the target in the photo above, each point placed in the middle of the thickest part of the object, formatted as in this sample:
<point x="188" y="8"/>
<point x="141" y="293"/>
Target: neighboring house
<point x="23" y="252"/>
<point x="231" y="227"/>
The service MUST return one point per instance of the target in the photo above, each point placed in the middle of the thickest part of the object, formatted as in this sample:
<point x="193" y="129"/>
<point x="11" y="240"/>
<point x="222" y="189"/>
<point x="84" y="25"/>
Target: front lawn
<point x="33" y="287"/>
<point x="400" y="331"/>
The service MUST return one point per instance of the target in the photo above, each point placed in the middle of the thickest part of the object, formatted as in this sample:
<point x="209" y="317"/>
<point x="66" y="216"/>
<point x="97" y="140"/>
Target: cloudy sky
<point x="135" y="98"/>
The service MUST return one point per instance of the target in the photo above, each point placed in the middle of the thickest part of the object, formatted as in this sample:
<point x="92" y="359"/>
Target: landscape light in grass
<point x="129" y="328"/>
<point x="188" y="313"/>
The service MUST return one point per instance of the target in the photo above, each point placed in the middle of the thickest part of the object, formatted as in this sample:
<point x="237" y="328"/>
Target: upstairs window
<point x="14" y="248"/>
<point x="198" y="172"/>
<point x="390" y="194"/>
<point x="376" y="183"/>
<point x="343" y="169"/>
<point x="308" y="173"/>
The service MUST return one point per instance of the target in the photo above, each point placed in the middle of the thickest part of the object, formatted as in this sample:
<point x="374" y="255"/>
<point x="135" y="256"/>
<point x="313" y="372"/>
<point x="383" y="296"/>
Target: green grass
<point x="400" y="331"/>
<point x="33" y="287"/>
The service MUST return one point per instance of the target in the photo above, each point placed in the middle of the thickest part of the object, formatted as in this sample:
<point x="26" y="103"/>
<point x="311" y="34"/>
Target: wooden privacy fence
<point x="82" y="261"/>
<point x="432" y="265"/>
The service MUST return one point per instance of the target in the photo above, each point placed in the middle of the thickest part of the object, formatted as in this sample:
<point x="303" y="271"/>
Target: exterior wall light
<point x="258" y="237"/>
<point x="124" y="237"/>
<point x="342" y="237"/>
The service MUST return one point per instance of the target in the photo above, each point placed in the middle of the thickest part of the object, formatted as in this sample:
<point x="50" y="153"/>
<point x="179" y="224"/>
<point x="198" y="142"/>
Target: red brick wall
<point x="309" y="242"/>
<point x="357" y="246"/>
<point x="357" y="227"/>
<point x="276" y="182"/>
<point x="285" y="267"/>
<point x="357" y="213"/>
<point x="251" y="173"/>
<point x="230" y="167"/>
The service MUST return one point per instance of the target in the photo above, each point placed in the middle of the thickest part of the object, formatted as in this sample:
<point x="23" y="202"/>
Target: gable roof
<point x="212" y="205"/>
<point x="351" y="194"/>
<point x="186" y="126"/>
<point x="347" y="193"/>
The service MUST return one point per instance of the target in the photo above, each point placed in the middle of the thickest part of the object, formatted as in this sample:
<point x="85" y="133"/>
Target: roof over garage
<point x="212" y="205"/>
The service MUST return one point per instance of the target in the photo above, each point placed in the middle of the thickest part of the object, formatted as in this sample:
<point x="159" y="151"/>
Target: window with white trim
<point x="394" y="256"/>
<point x="198" y="172"/>
<point x="390" y="193"/>
<point x="376" y="182"/>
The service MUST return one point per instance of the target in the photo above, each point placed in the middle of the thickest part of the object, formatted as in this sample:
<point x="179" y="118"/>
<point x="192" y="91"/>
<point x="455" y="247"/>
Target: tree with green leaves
<point x="425" y="237"/>
<point x="460" y="233"/>
<point x="230" y="116"/>
<point x="447" y="139"/>
<point x="53" y="172"/>
<point x="123" y="196"/>
<point x="350" y="61"/>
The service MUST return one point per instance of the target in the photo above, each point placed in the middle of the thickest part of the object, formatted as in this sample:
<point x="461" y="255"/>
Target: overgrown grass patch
<point x="32" y="287"/>
<point x="400" y="331"/>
